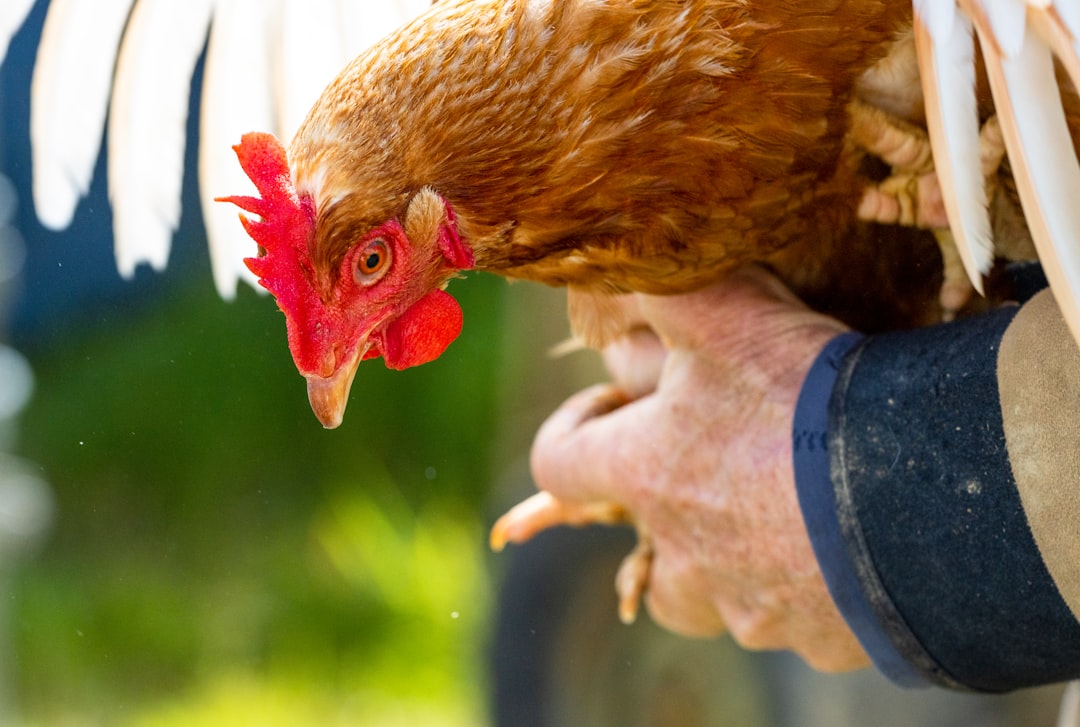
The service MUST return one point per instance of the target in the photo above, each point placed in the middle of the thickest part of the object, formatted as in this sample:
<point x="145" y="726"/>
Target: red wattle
<point x="422" y="332"/>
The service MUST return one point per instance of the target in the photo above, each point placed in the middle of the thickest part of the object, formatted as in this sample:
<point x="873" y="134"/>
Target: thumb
<point x="635" y="361"/>
<point x="578" y="450"/>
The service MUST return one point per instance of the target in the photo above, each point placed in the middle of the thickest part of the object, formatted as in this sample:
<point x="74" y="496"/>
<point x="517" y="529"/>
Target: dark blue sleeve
<point x="907" y="494"/>
<point x="817" y="499"/>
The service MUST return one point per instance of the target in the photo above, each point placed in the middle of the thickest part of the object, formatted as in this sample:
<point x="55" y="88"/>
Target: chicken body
<point x="614" y="145"/>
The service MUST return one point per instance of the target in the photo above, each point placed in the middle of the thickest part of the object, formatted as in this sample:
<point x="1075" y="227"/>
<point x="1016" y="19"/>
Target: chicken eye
<point x="372" y="262"/>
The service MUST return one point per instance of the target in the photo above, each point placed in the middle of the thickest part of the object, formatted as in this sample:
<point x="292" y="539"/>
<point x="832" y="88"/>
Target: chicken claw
<point x="956" y="287"/>
<point x="542" y="511"/>
<point x="633" y="578"/>
<point x="912" y="195"/>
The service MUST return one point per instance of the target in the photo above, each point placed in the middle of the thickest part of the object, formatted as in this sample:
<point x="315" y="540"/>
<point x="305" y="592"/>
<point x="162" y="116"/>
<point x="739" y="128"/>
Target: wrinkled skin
<point x="703" y="464"/>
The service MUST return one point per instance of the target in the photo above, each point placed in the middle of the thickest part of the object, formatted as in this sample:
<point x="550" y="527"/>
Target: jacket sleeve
<point x="939" y="475"/>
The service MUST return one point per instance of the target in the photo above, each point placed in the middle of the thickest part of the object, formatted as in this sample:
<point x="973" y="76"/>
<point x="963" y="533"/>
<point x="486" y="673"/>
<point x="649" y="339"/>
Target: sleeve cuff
<point x="817" y="499"/>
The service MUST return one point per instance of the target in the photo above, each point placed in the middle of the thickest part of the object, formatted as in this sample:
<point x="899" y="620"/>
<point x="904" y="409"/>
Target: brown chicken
<point x="609" y="146"/>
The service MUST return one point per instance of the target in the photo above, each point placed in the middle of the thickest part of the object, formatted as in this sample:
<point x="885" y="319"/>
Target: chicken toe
<point x="633" y="578"/>
<point x="956" y="287"/>
<point x="912" y="196"/>
<point x="543" y="510"/>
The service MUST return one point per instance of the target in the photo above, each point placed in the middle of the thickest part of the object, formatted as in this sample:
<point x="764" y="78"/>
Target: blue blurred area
<point x="70" y="280"/>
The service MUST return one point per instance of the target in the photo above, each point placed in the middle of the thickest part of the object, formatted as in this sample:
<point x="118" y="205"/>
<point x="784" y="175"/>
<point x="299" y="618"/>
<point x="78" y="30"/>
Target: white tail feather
<point x="947" y="65"/>
<point x="146" y="134"/>
<point x="1058" y="25"/>
<point x="1048" y="179"/>
<point x="237" y="98"/>
<point x="69" y="95"/>
<point x="12" y="15"/>
<point x="1069" y="13"/>
<point x="1005" y="19"/>
<point x="311" y="55"/>
<point x="937" y="18"/>
<point x="266" y="62"/>
<point x="1069" y="711"/>
<point x="365" y="24"/>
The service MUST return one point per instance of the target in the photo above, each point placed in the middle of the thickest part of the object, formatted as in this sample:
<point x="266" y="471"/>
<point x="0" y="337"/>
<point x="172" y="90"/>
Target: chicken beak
<point x="329" y="395"/>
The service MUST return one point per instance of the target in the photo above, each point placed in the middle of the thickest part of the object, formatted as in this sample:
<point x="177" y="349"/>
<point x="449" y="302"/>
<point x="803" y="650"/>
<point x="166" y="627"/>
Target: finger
<point x="635" y="361"/>
<point x="678" y="599"/>
<point x="578" y="447"/>
<point x="757" y="625"/>
<point x="834" y="653"/>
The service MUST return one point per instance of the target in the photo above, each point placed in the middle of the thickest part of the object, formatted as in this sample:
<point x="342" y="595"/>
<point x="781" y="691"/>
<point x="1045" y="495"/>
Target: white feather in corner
<point x="68" y="99"/>
<point x="1037" y="137"/>
<point x="1069" y="12"/>
<point x="161" y="46"/>
<point x="266" y="62"/>
<point x="12" y="15"/>
<point x="1019" y="40"/>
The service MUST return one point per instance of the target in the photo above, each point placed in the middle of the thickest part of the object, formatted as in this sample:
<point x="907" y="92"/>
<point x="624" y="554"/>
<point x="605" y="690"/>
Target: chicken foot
<point x="543" y="510"/>
<point x="911" y="194"/>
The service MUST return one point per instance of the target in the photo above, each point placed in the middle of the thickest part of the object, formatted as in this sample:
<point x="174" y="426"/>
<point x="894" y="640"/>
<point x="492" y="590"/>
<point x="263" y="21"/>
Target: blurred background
<point x="182" y="544"/>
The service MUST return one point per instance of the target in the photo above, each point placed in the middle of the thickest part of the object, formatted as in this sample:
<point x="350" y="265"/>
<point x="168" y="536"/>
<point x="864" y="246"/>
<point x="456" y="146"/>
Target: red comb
<point x="286" y="221"/>
<point x="283" y="233"/>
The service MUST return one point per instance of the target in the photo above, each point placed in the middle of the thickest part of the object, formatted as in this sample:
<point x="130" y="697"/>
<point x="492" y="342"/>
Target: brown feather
<point x="626" y="144"/>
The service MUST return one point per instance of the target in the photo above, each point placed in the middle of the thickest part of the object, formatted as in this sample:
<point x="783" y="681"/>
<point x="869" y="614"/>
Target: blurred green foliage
<point x="218" y="558"/>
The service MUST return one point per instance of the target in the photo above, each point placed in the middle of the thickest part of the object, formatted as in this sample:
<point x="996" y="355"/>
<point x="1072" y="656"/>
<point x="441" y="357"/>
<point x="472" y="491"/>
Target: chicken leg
<point x="543" y="510"/>
<point x="911" y="195"/>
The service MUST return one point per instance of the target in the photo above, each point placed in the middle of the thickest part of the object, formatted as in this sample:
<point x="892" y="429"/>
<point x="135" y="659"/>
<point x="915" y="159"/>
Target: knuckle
<point x="677" y="600"/>
<point x="756" y="630"/>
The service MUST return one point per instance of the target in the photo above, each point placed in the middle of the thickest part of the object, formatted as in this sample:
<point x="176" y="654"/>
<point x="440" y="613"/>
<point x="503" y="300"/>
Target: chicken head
<point x="386" y="297"/>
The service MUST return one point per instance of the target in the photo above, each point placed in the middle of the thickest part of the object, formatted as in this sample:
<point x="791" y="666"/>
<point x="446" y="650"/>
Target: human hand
<point x="703" y="465"/>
